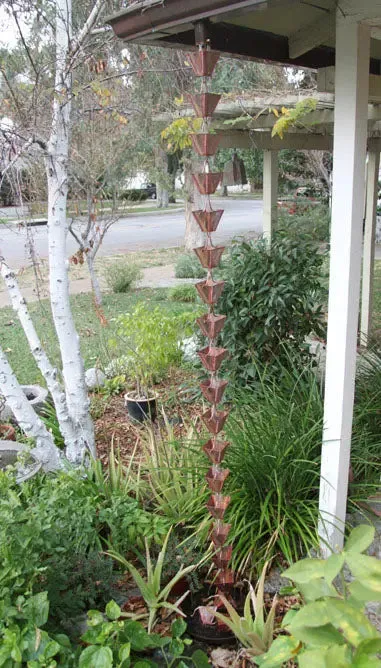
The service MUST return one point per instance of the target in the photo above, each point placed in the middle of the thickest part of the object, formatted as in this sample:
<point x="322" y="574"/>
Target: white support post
<point x="369" y="243"/>
<point x="270" y="193"/>
<point x="351" y="102"/>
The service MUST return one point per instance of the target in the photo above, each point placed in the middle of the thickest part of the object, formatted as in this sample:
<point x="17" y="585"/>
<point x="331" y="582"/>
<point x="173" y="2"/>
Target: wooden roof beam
<point x="242" y="42"/>
<point x="312" y="35"/>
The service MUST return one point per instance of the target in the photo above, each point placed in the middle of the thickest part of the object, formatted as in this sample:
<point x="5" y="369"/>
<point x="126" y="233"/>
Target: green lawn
<point x="94" y="336"/>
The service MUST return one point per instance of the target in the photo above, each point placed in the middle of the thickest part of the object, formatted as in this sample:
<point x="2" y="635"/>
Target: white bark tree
<point x="71" y="401"/>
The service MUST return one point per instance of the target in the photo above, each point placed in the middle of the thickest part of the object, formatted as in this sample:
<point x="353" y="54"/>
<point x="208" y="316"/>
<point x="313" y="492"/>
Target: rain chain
<point x="205" y="144"/>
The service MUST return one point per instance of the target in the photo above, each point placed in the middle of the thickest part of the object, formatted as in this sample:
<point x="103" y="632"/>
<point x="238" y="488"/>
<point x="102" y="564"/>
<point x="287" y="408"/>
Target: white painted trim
<point x="352" y="80"/>
<point x="369" y="244"/>
<point x="270" y="193"/>
<point x="311" y="35"/>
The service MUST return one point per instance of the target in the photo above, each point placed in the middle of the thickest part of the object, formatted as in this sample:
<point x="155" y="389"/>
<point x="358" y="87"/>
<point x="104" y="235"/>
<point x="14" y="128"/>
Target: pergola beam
<point x="264" y="141"/>
<point x="326" y="83"/>
<point x="312" y="35"/>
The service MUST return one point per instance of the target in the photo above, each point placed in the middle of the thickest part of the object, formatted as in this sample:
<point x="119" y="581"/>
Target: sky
<point x="8" y="32"/>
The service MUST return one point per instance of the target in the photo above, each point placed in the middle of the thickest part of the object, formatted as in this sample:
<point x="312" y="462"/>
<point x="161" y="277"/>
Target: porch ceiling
<point x="253" y="29"/>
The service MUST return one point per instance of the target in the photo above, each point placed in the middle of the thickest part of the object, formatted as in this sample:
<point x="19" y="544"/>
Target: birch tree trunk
<point x="57" y="176"/>
<point x="94" y="280"/>
<point x="194" y="237"/>
<point x="48" y="371"/>
<point x="28" y="420"/>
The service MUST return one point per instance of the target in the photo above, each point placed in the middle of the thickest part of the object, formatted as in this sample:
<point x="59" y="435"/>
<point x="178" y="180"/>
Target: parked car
<point x="150" y="190"/>
<point x="146" y="191"/>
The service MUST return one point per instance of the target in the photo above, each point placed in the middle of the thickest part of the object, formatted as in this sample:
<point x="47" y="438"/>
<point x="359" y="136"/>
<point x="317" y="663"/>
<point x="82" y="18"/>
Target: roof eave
<point x="141" y="20"/>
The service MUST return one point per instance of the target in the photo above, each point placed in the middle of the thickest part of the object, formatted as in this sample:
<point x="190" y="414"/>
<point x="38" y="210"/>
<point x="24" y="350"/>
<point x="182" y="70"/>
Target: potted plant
<point x="153" y="338"/>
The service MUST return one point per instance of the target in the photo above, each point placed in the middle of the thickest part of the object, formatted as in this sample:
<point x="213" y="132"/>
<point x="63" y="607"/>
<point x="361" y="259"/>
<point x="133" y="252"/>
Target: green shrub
<point x="308" y="221"/>
<point x="272" y="297"/>
<point x="52" y="530"/>
<point x="154" y="338"/>
<point x="183" y="293"/>
<point x="122" y="275"/>
<point x="188" y="266"/>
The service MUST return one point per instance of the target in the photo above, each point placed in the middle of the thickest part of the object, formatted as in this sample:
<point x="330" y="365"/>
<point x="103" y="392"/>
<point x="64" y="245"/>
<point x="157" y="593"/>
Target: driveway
<point x="139" y="232"/>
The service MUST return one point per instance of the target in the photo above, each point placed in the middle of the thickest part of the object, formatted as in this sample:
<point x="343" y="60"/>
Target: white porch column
<point x="270" y="192"/>
<point x="351" y="106"/>
<point x="369" y="243"/>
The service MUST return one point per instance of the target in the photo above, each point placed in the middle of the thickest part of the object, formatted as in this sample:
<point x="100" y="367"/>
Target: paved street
<point x="140" y="232"/>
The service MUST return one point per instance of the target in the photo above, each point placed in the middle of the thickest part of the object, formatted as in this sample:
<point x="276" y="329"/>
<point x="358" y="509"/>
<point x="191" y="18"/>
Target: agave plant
<point x="254" y="631"/>
<point x="155" y="595"/>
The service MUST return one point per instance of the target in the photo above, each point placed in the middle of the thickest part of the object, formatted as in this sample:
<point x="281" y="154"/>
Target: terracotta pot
<point x="7" y="432"/>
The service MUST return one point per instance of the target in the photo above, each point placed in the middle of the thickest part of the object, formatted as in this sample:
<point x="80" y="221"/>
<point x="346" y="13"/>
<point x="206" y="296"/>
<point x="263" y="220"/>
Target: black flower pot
<point x="140" y="409"/>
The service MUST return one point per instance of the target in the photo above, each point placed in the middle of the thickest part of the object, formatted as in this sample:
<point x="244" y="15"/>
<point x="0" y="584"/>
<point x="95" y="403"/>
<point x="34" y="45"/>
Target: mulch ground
<point x="178" y="403"/>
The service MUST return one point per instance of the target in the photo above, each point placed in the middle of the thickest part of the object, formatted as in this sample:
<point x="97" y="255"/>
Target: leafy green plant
<point x="154" y="593"/>
<point x="49" y="417"/>
<point x="274" y="299"/>
<point x="188" y="266"/>
<point x="255" y="630"/>
<point x="22" y="639"/>
<point x="183" y="293"/>
<point x="331" y="628"/>
<point x="122" y="275"/>
<point x="153" y="337"/>
<point x="113" y="642"/>
<point x="114" y="386"/>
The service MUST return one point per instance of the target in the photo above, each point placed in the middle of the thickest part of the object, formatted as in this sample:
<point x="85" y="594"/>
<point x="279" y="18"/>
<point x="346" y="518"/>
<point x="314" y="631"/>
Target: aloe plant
<point x="254" y="630"/>
<point x="156" y="596"/>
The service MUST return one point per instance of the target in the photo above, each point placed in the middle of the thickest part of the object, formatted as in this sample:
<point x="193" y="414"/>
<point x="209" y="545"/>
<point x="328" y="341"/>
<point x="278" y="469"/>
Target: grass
<point x="94" y="336"/>
<point x="157" y="257"/>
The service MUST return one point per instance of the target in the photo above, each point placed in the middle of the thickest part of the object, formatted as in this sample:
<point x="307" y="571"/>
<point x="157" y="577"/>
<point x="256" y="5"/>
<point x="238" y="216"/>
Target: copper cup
<point x="217" y="505"/>
<point x="205" y="144"/>
<point x="213" y="390"/>
<point x="209" y="256"/>
<point x="220" y="533"/>
<point x="216" y="477"/>
<point x="204" y="104"/>
<point x="207" y="182"/>
<point x="215" y="450"/>
<point x="212" y="358"/>
<point x="210" y="291"/>
<point x="211" y="324"/>
<point x="208" y="220"/>
<point x="214" y="421"/>
<point x="203" y="62"/>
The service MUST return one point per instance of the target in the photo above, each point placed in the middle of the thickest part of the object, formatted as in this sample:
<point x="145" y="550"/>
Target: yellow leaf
<point x="276" y="112"/>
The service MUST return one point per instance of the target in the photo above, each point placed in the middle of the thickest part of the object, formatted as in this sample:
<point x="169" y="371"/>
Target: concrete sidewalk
<point x="153" y="277"/>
